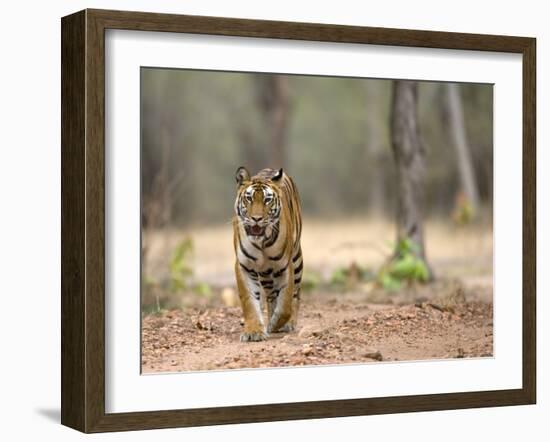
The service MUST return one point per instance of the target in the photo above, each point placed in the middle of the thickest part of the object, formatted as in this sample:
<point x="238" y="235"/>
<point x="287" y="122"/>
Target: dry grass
<point x="453" y="252"/>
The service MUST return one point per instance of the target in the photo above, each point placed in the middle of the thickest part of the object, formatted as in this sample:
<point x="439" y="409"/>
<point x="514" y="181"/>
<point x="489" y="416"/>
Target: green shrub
<point x="349" y="277"/>
<point x="203" y="289"/>
<point x="338" y="277"/>
<point x="406" y="266"/>
<point x="180" y="269"/>
<point x="310" y="280"/>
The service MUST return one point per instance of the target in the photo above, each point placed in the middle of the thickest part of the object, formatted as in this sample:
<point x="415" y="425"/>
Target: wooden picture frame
<point x="83" y="220"/>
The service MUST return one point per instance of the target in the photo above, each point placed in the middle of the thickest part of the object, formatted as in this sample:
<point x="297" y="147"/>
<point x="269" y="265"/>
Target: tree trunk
<point x="409" y="155"/>
<point x="251" y="148"/>
<point x="373" y="146"/>
<point x="272" y="96"/>
<point x="460" y="141"/>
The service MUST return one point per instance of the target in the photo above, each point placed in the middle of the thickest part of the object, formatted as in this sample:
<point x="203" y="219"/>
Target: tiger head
<point x="258" y="202"/>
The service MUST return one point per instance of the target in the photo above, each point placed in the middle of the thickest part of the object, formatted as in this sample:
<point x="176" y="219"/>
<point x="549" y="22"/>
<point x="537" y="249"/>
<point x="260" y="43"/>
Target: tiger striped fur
<point x="266" y="237"/>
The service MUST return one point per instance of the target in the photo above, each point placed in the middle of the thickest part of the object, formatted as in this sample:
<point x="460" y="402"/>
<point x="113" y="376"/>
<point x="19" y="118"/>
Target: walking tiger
<point x="266" y="237"/>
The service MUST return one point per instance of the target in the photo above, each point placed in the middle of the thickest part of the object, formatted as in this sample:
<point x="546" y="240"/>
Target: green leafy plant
<point x="338" y="277"/>
<point x="180" y="269"/>
<point x="406" y="267"/>
<point x="310" y="280"/>
<point x="463" y="212"/>
<point x="349" y="277"/>
<point x="203" y="289"/>
<point x="151" y="289"/>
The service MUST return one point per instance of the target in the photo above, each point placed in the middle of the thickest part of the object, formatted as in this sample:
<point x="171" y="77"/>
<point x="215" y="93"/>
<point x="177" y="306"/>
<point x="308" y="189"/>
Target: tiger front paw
<point x="279" y="323"/>
<point x="287" y="328"/>
<point x="253" y="336"/>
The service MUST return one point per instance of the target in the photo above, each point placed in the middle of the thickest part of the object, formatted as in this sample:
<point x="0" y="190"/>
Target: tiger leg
<point x="271" y="301"/>
<point x="283" y="306"/>
<point x="298" y="271"/>
<point x="249" y="294"/>
<point x="271" y="293"/>
<point x="293" y="322"/>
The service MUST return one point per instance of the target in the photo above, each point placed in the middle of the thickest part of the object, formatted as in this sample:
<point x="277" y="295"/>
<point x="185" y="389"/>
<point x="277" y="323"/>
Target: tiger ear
<point x="242" y="175"/>
<point x="278" y="175"/>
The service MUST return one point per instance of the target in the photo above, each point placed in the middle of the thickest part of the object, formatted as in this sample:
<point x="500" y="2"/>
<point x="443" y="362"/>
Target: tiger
<point x="267" y="227"/>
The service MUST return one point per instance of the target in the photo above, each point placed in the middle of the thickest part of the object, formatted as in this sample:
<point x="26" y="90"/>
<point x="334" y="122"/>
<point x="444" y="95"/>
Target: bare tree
<point x="460" y="140"/>
<point x="373" y="147"/>
<point x="250" y="147"/>
<point x="409" y="156"/>
<point x="273" y="102"/>
<point x="162" y="182"/>
<point x="160" y="185"/>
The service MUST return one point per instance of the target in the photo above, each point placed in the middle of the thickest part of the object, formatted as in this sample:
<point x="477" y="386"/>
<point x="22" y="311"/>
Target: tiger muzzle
<point x="255" y="230"/>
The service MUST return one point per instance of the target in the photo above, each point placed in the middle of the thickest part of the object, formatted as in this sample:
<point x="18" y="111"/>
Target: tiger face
<point x="258" y="202"/>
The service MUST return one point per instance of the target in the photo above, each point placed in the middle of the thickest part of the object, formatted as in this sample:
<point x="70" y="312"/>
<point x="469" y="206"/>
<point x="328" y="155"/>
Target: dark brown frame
<point x="83" y="217"/>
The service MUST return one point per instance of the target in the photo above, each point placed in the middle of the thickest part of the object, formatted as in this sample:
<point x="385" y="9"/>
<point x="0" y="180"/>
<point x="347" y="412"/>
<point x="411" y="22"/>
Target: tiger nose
<point x="256" y="218"/>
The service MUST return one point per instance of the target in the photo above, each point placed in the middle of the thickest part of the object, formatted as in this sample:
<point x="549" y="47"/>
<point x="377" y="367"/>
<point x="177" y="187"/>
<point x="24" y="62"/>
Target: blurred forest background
<point x="339" y="139"/>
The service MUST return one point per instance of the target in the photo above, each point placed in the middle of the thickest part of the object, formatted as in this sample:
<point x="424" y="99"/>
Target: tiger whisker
<point x="230" y="221"/>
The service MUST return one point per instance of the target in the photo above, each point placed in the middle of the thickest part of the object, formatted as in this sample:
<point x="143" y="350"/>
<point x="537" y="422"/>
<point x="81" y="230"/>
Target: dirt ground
<point x="444" y="320"/>
<point x="333" y="329"/>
